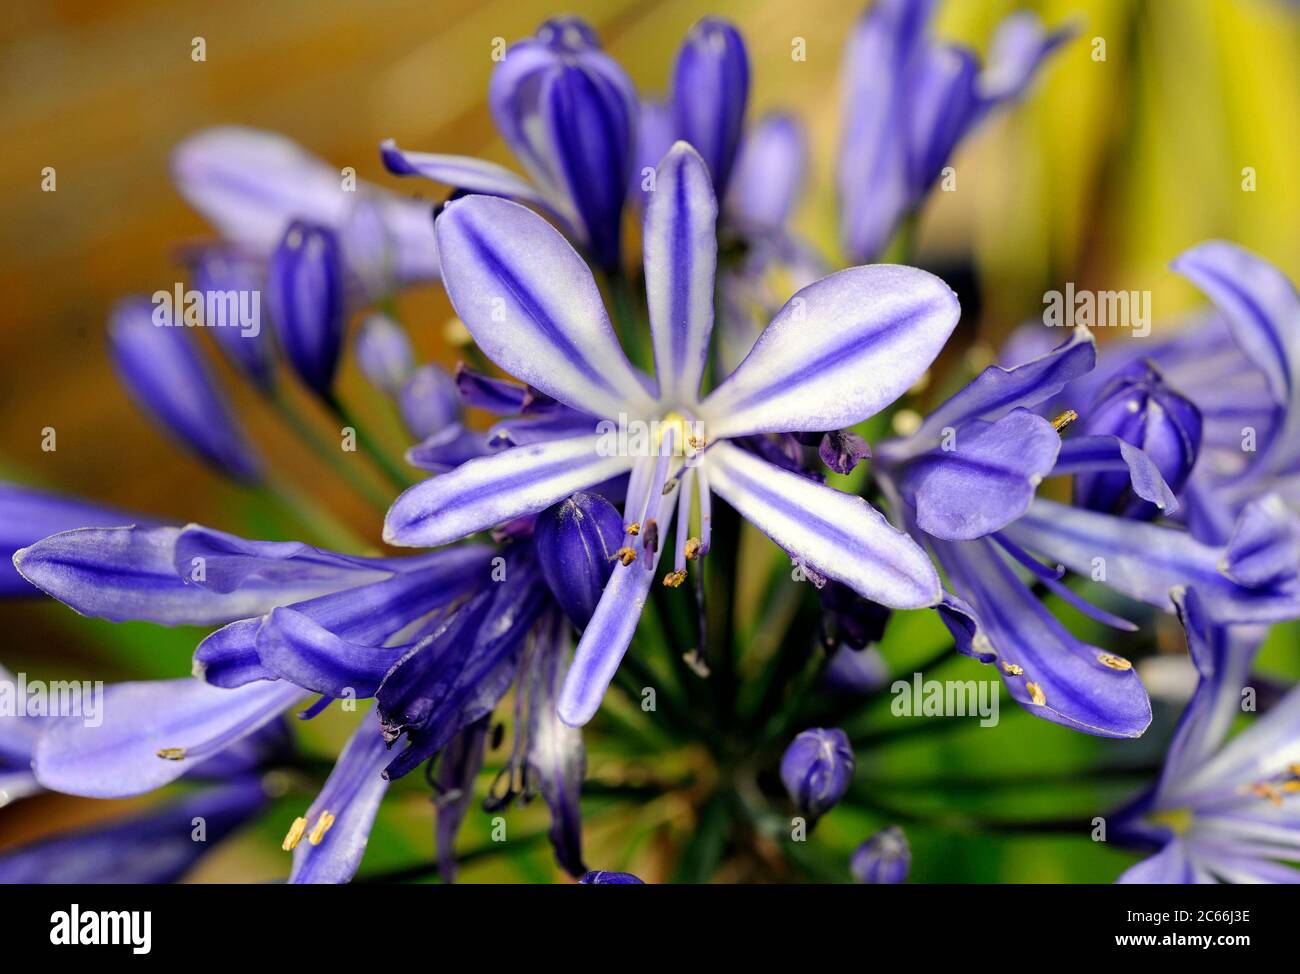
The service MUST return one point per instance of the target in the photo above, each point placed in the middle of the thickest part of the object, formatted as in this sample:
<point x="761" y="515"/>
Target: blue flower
<point x="568" y="111"/>
<point x="909" y="101"/>
<point x="816" y="770"/>
<point x="1224" y="809"/>
<point x="884" y="858"/>
<point x="841" y="350"/>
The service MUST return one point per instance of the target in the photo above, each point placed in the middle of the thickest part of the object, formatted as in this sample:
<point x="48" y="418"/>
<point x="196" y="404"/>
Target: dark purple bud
<point x="305" y="291"/>
<point x="710" y="88"/>
<point x="384" y="353"/>
<point x="232" y="282"/>
<point x="599" y="877"/>
<point x="1139" y="408"/>
<point x="850" y="619"/>
<point x="842" y="450"/>
<point x="883" y="858"/>
<point x="816" y="769"/>
<point x="575" y="541"/>
<point x="155" y="359"/>
<point x="429" y="401"/>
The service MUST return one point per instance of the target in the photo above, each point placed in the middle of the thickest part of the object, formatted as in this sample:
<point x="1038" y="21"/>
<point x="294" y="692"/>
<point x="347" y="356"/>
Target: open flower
<point x="841" y="350"/>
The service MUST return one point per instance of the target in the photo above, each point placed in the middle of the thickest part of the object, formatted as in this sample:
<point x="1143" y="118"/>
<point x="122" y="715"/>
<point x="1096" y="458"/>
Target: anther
<point x="634" y="528"/>
<point x="294" y="835"/>
<point x="1065" y="419"/>
<point x="1036" y="694"/>
<point x="1265" y="790"/>
<point x="674" y="579"/>
<point x="624" y="555"/>
<point x="172" y="753"/>
<point x="1114" y="662"/>
<point x="651" y="540"/>
<point x="693" y="546"/>
<point x="322" y="826"/>
<point x="1012" y="668"/>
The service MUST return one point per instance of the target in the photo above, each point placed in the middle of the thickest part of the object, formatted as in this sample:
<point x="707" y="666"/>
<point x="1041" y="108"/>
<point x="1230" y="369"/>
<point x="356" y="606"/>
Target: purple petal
<point x="167" y="379"/>
<point x="839" y="351"/>
<point x="836" y="535"/>
<point x="1170" y="865"/>
<point x="233" y="278"/>
<point x="464" y="173"/>
<point x="601" y="877"/>
<point x="710" y="88"/>
<point x="986" y="481"/>
<point x="769" y="172"/>
<point x="533" y="307"/>
<point x="495" y="489"/>
<point x="458" y="766"/>
<point x="157" y="846"/>
<point x="1019" y="47"/>
<point x="384" y="353"/>
<point x="681" y="256"/>
<point x="27" y="515"/>
<point x="943" y="107"/>
<point x="429" y="401"/>
<point x="1263" y="550"/>
<point x="447" y="449"/>
<point x="305" y="291"/>
<point x="816" y="770"/>
<point x="883" y="858"/>
<point x="351" y="795"/>
<point x="575" y="543"/>
<point x="1090" y="454"/>
<point x="228" y="657"/>
<point x="186" y="717"/>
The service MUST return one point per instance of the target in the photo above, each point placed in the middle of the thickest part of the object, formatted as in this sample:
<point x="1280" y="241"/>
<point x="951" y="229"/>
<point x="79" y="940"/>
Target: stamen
<point x="692" y="549"/>
<point x="624" y="555"/>
<point x="674" y="579"/>
<point x="706" y="509"/>
<point x="1012" y="668"/>
<point x="634" y="528"/>
<point x="1114" y="662"/>
<point x="1065" y="419"/>
<point x="172" y="753"/>
<point x="1265" y="790"/>
<point x="683" y="522"/>
<point x="294" y="835"/>
<point x="1036" y="694"/>
<point x="696" y="663"/>
<point x="322" y="826"/>
<point x="651" y="540"/>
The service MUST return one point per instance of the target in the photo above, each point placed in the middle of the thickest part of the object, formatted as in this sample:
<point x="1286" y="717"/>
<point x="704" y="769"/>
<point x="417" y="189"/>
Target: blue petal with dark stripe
<point x="305" y="291"/>
<point x="710" y="89"/>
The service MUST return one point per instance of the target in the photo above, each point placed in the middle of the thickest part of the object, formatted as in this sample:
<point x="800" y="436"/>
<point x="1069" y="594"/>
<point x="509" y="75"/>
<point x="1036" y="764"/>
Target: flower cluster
<point x="642" y="422"/>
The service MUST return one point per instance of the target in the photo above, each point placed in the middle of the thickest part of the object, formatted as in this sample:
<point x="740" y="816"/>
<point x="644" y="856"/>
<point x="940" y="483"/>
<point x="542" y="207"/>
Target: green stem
<point x="391" y="471"/>
<point x="330" y="454"/>
<point x="299" y="507"/>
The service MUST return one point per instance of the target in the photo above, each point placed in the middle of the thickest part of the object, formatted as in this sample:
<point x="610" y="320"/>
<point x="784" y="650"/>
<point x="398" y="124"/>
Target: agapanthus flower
<point x="1225" y="808"/>
<point x="816" y="770"/>
<point x="884" y="858"/>
<point x="908" y="101"/>
<point x="568" y="112"/>
<point x="841" y="350"/>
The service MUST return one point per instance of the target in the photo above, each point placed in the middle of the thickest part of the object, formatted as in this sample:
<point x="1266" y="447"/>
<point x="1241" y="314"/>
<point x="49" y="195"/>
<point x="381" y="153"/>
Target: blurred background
<point x="1107" y="171"/>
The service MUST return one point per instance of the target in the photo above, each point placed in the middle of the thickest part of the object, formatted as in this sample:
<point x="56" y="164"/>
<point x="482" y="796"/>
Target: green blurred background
<point x="1107" y="171"/>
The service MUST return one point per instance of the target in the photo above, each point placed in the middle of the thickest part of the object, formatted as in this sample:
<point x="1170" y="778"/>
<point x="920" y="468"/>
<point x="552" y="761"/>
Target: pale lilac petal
<point x="839" y="351"/>
<point x="460" y="172"/>
<point x="836" y="535"/>
<point x="681" y="256"/>
<point x="769" y="172"/>
<point x="494" y="489"/>
<point x="533" y="307"/>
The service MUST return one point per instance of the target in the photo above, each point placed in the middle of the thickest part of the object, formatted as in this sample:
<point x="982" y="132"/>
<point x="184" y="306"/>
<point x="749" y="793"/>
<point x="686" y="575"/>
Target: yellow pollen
<point x="322" y="826"/>
<point x="1294" y="769"/>
<point x="294" y="835"/>
<point x="1065" y="419"/>
<point x="693" y="546"/>
<point x="625" y="555"/>
<point x="1291" y="787"/>
<point x="634" y="528"/>
<point x="1114" y="662"/>
<point x="698" y="442"/>
<point x="172" y="753"/>
<point x="1265" y="790"/>
<point x="1012" y="668"/>
<point x="673" y="579"/>
<point x="1177" y="819"/>
<point x="1036" y="694"/>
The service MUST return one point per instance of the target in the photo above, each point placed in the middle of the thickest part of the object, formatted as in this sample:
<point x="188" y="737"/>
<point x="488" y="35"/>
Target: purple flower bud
<point x="384" y="353"/>
<point x="1139" y="408"/>
<point x="883" y="858"/>
<point x="816" y="769"/>
<point x="709" y="90"/>
<point x="429" y="401"/>
<point x="569" y="113"/>
<point x="575" y="542"/>
<point x="224" y="275"/>
<point x="166" y="378"/>
<point x="599" y="877"/>
<point x="305" y="291"/>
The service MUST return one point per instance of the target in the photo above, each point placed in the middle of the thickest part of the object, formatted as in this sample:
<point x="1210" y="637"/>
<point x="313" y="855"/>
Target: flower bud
<point x="816" y="769"/>
<point x="223" y="274"/>
<point x="599" y="877"/>
<point x="883" y="858"/>
<point x="429" y="401"/>
<point x="710" y="88"/>
<point x="384" y="353"/>
<point x="305" y="290"/>
<point x="167" y="379"/>
<point x="575" y="542"/>
<point x="1137" y="407"/>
